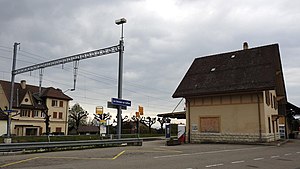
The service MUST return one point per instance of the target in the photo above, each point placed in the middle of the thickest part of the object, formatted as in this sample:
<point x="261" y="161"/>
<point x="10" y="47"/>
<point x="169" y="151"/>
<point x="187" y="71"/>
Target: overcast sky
<point x="162" y="38"/>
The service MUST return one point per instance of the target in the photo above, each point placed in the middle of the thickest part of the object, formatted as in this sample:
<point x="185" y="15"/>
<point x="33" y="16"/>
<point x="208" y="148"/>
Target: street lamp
<point x="120" y="77"/>
<point x="121" y="22"/>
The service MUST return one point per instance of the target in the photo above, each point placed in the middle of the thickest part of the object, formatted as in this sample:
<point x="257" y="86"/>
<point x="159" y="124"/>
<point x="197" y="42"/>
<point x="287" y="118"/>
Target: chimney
<point x="23" y="84"/>
<point x="245" y="45"/>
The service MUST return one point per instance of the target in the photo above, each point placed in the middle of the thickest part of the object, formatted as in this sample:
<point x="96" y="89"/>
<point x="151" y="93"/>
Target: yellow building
<point x="234" y="97"/>
<point x="31" y="107"/>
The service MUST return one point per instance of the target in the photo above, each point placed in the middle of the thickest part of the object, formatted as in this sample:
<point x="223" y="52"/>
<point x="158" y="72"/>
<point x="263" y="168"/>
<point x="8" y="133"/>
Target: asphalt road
<point x="155" y="155"/>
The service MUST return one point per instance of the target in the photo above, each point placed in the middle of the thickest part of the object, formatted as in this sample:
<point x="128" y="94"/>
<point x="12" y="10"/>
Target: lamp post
<point x="120" y="77"/>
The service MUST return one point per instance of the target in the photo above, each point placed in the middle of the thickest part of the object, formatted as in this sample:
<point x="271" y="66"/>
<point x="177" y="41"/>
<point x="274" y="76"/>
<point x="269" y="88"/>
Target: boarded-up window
<point x="210" y="124"/>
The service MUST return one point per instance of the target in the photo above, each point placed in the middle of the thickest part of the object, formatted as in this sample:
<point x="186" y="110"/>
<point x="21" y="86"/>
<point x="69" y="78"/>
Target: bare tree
<point x="47" y="121"/>
<point x="77" y="117"/>
<point x="162" y="121"/>
<point x="148" y="121"/>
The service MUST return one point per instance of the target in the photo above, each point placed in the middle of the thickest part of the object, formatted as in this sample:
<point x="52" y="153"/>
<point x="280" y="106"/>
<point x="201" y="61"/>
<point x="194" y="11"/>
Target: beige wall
<point x="57" y="122"/>
<point x="4" y="101"/>
<point x="238" y="114"/>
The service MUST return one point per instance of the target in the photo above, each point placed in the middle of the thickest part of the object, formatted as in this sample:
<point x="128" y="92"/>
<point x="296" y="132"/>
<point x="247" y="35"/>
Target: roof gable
<point x="238" y="71"/>
<point x="27" y="99"/>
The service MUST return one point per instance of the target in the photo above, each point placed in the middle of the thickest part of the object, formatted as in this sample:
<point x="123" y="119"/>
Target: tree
<point x="47" y="121"/>
<point x="162" y="121"/>
<point x="77" y="117"/>
<point x="148" y="121"/>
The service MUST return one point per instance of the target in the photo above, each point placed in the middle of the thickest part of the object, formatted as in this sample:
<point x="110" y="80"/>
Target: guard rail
<point x="68" y="144"/>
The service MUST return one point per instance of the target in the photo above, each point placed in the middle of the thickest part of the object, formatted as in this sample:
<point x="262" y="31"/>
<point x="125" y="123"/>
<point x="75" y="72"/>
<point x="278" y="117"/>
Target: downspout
<point x="259" y="117"/>
<point x="66" y="123"/>
<point x="189" y="120"/>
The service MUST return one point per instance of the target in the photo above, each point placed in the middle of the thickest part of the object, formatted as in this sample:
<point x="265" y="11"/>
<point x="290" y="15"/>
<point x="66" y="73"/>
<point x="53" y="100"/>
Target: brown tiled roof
<point x="55" y="93"/>
<point x="49" y="92"/>
<point x="254" y="69"/>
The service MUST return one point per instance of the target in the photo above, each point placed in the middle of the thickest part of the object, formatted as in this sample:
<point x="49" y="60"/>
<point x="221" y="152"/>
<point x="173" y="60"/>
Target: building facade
<point x="234" y="97"/>
<point x="32" y="106"/>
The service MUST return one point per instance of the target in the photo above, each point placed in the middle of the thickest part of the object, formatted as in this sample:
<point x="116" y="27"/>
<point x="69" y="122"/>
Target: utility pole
<point x="12" y="90"/>
<point x="120" y="77"/>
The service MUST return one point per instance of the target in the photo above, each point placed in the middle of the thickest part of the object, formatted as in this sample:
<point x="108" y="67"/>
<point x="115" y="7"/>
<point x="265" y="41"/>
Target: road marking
<point x="288" y="154"/>
<point x="298" y="152"/>
<point x="18" y="162"/>
<point x="275" y="156"/>
<point x="257" y="159"/>
<point x="167" y="150"/>
<point x="76" y="158"/>
<point x="118" y="155"/>
<point x="214" y="165"/>
<point x="210" y="152"/>
<point x="237" y="162"/>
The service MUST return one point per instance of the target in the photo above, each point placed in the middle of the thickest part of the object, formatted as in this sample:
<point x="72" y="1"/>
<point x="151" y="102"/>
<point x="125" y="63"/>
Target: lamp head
<point x="120" y="21"/>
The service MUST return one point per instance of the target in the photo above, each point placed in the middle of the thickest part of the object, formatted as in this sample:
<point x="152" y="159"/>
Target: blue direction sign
<point x="120" y="102"/>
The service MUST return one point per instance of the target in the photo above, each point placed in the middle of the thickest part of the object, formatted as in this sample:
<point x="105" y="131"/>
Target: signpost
<point x="120" y="102"/>
<point x="110" y="105"/>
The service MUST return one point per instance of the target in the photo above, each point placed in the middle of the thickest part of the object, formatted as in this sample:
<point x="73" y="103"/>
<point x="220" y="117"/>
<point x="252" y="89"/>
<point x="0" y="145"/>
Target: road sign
<point x="110" y="105"/>
<point x="99" y="110"/>
<point x="141" y="110"/>
<point x="120" y="102"/>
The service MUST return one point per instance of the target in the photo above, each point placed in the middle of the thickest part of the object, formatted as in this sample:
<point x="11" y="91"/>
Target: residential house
<point x="235" y="96"/>
<point x="31" y="107"/>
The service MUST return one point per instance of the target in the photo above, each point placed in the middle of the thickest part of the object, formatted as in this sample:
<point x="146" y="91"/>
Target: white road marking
<point x="257" y="159"/>
<point x="210" y="152"/>
<point x="214" y="165"/>
<point x="298" y="152"/>
<point x="288" y="154"/>
<point x="237" y="162"/>
<point x="275" y="156"/>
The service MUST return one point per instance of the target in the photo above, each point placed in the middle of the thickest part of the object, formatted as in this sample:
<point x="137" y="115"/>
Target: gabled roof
<point x="248" y="70"/>
<point x="49" y="92"/>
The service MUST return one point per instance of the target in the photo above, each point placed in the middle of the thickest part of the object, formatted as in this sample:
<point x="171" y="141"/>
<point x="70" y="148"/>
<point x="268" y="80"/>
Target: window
<point x="54" y="103"/>
<point x="268" y="97"/>
<point x="269" y="124"/>
<point x="58" y="129"/>
<point x="54" y="114"/>
<point x="210" y="124"/>
<point x="61" y="103"/>
<point x="36" y="113"/>
<point x="60" y="115"/>
<point x="43" y="114"/>
<point x="25" y="113"/>
<point x="275" y="103"/>
<point x="272" y="103"/>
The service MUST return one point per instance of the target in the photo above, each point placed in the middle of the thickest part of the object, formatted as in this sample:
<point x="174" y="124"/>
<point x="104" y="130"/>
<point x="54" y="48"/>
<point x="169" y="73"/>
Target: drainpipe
<point x="67" y="113"/>
<point x="189" y="120"/>
<point x="259" y="117"/>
